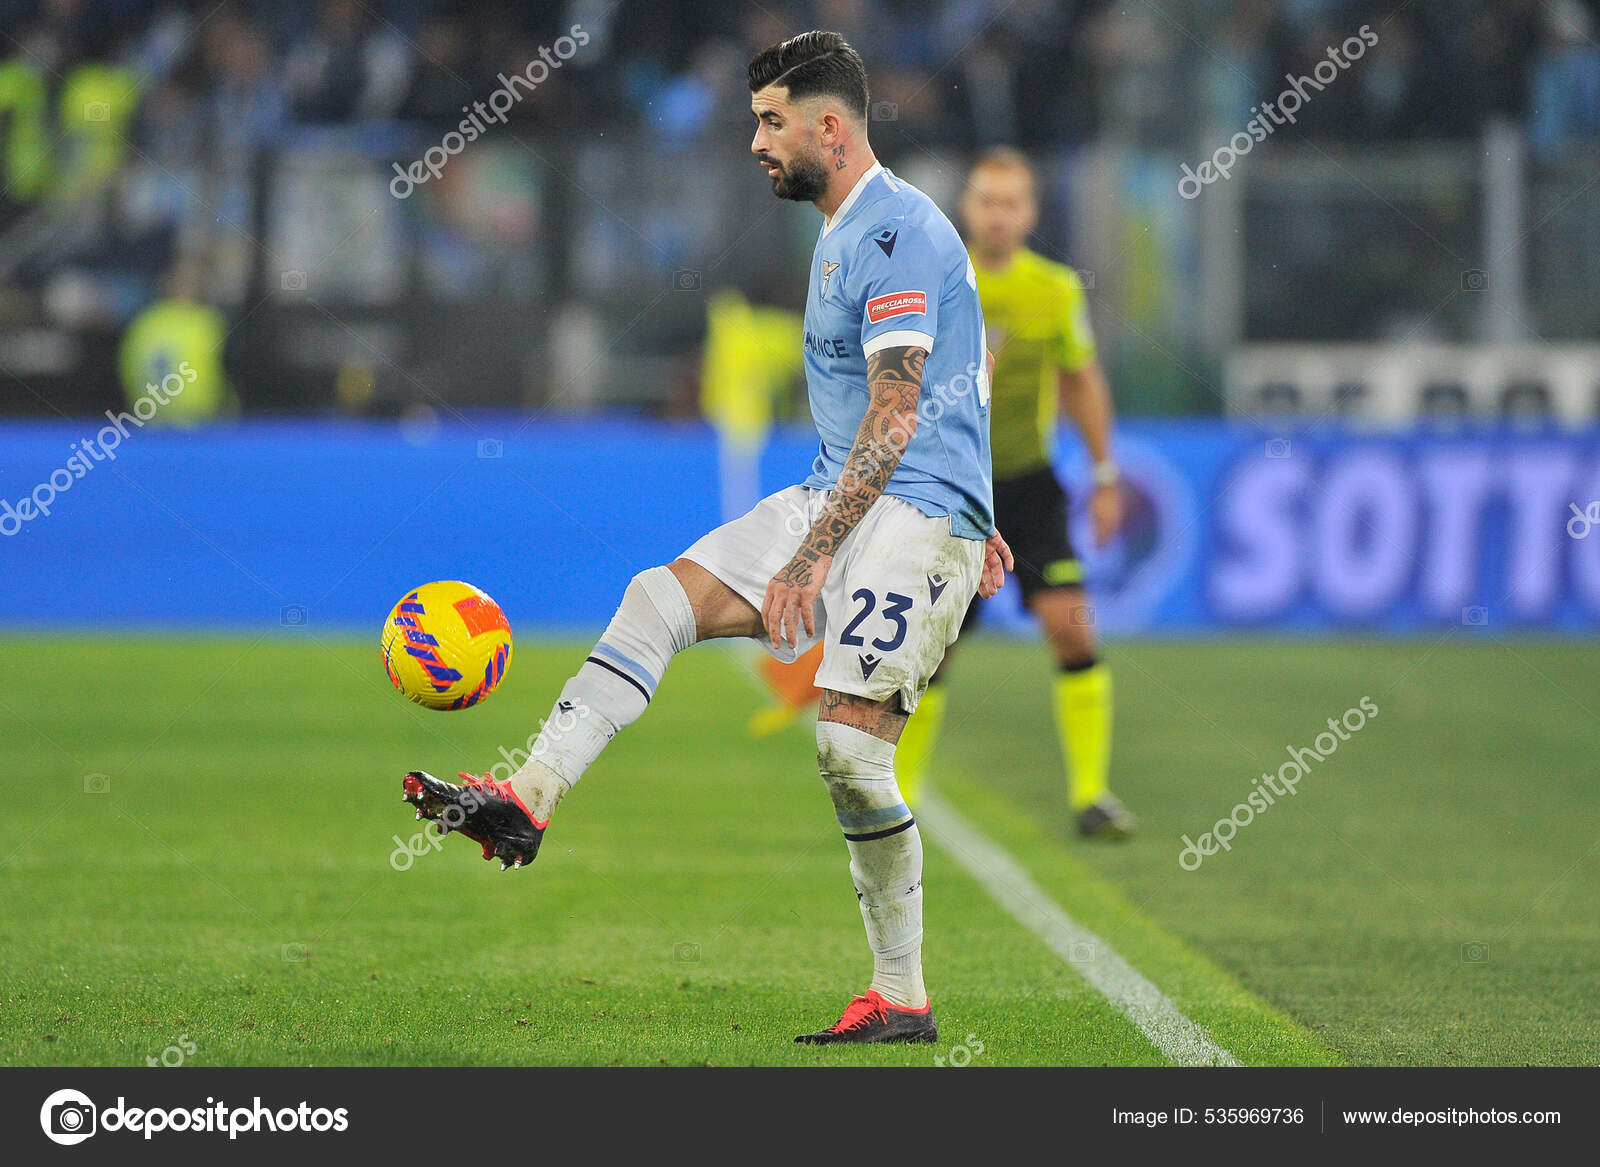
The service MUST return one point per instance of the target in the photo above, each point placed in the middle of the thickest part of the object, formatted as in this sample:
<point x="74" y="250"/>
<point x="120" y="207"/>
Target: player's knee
<point x="669" y="598"/>
<point x="719" y="611"/>
<point x="858" y="769"/>
<point x="847" y="752"/>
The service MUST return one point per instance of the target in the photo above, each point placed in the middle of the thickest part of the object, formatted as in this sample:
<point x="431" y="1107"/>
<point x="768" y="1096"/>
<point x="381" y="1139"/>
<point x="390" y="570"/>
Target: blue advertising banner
<point x="1228" y="528"/>
<point x="1326" y="531"/>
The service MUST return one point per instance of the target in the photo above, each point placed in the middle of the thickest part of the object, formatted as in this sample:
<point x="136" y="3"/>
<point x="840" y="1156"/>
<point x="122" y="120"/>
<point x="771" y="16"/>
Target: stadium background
<point x="216" y="184"/>
<point x="1358" y="379"/>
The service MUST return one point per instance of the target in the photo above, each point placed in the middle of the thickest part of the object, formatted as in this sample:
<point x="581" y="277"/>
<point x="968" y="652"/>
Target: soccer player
<point x="1038" y="326"/>
<point x="897" y="532"/>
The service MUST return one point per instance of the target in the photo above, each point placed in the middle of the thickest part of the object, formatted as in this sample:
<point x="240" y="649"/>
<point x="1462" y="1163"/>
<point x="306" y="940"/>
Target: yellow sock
<point x="917" y="740"/>
<point x="1083" y="723"/>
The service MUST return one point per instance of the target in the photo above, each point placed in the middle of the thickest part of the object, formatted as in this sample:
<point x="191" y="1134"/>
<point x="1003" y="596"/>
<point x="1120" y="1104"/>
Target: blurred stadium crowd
<point x="1033" y="73"/>
<point x="232" y="158"/>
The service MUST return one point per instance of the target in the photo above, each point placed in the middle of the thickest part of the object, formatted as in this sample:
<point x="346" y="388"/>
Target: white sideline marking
<point x="1181" y="1040"/>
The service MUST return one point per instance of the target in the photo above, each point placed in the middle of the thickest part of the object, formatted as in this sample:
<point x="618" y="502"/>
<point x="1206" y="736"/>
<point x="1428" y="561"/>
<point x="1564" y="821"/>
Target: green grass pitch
<point x="199" y="835"/>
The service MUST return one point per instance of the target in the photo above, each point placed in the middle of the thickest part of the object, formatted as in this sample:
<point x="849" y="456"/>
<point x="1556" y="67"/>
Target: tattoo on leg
<point x="882" y="719"/>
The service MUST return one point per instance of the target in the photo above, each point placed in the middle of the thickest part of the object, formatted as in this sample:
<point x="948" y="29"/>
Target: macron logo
<point x="896" y="304"/>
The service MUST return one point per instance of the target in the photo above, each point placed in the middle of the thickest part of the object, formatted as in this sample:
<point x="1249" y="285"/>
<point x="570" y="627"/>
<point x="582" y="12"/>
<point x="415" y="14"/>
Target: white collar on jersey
<point x="850" y="199"/>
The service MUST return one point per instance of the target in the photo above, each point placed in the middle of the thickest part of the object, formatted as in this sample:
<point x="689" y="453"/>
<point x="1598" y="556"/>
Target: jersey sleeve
<point x="897" y="280"/>
<point x="1075" y="343"/>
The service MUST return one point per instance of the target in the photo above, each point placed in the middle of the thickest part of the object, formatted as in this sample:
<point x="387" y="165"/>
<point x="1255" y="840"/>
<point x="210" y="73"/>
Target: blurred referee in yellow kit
<point x="1037" y="319"/>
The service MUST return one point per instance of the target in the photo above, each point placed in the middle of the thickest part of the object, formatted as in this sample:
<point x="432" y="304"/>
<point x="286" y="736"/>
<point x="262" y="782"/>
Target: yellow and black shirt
<point x="1037" y="319"/>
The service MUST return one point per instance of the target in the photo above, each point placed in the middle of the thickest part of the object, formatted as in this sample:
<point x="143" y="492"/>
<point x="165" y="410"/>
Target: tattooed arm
<point x="894" y="384"/>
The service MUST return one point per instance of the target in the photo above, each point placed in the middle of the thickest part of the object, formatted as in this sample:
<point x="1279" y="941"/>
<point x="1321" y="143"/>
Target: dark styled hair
<point x="813" y="64"/>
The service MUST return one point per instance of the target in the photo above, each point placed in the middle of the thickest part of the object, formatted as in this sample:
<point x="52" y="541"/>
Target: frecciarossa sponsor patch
<point x="896" y="304"/>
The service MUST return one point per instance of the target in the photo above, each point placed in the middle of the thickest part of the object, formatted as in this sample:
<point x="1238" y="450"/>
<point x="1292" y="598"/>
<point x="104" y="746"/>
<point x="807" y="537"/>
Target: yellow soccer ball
<point x="446" y="645"/>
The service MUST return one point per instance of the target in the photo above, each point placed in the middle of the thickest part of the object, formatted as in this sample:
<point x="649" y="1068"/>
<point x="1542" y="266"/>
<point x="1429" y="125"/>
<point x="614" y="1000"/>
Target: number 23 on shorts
<point x="895" y="607"/>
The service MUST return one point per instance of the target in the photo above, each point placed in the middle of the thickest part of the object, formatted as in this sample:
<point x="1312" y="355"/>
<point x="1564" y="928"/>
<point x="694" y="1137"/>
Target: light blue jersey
<point x="890" y="271"/>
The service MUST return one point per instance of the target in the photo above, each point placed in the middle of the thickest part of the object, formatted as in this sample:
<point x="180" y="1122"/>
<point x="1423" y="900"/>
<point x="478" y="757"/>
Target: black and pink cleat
<point x="487" y="812"/>
<point x="873" y="1018"/>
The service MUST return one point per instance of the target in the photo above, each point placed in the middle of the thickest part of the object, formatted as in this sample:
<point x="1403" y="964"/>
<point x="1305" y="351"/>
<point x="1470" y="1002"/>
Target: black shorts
<point x="1031" y="512"/>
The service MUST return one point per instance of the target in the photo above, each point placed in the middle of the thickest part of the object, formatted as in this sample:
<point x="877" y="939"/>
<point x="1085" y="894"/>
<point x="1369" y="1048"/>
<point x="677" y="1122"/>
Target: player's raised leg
<point x="663" y="611"/>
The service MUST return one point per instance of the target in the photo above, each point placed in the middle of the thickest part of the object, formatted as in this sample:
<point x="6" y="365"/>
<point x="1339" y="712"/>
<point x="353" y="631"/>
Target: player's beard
<point x="802" y="180"/>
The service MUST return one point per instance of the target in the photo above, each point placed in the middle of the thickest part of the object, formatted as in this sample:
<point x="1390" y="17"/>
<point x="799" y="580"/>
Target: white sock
<point x="613" y="687"/>
<point x="885" y="855"/>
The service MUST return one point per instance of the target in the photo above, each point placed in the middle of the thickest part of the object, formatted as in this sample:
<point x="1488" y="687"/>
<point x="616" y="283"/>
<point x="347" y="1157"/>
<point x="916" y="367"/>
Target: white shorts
<point x="893" y="601"/>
